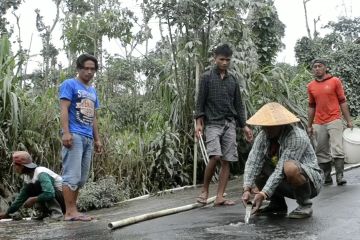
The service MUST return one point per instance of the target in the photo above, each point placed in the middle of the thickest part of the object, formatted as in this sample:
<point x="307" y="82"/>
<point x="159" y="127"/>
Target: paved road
<point x="336" y="216"/>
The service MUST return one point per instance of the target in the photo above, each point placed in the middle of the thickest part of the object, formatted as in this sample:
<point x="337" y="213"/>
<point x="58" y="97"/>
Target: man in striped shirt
<point x="219" y="110"/>
<point x="281" y="163"/>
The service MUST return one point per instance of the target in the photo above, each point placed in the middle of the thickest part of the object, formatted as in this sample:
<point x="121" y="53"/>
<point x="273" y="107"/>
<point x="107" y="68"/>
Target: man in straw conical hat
<point x="281" y="163"/>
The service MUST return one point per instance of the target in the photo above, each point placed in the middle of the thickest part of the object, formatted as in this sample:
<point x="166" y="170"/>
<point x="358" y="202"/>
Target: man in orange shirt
<point x="326" y="99"/>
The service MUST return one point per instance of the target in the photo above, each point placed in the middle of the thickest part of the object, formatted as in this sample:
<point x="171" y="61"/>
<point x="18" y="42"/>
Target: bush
<point x="101" y="194"/>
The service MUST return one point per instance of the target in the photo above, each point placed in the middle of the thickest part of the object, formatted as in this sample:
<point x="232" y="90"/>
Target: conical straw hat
<point x="272" y="114"/>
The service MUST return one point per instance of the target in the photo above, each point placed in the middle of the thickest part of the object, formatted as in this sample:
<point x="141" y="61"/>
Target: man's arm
<point x="311" y="115"/>
<point x="200" y="107"/>
<point x="47" y="188"/>
<point x="97" y="142"/>
<point x="239" y="107"/>
<point x="241" y="114"/>
<point x="311" y="110"/>
<point x="346" y="113"/>
<point x="96" y="128"/>
<point x="343" y="104"/>
<point x="19" y="201"/>
<point x="64" y="121"/>
<point x="255" y="161"/>
<point x="253" y="165"/>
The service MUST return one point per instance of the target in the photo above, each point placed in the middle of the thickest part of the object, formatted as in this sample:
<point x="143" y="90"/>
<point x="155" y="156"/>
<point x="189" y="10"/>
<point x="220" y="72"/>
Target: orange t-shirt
<point x="326" y="96"/>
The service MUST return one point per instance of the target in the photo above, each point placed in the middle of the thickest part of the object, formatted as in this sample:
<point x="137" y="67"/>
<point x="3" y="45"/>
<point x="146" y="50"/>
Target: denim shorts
<point x="221" y="141"/>
<point x="77" y="161"/>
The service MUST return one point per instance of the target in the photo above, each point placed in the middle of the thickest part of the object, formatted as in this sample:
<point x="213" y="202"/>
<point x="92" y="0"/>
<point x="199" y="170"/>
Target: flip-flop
<point x="82" y="218"/>
<point x="202" y="198"/>
<point x="226" y="202"/>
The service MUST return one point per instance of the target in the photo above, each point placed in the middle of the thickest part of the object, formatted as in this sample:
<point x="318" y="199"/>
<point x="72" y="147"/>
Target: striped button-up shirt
<point x="294" y="145"/>
<point x="219" y="99"/>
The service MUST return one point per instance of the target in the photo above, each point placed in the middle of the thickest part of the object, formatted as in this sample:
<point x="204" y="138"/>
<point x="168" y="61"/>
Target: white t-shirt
<point x="57" y="178"/>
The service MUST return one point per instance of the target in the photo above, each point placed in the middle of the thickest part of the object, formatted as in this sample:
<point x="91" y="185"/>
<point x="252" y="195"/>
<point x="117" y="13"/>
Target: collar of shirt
<point x="217" y="71"/>
<point x="284" y="133"/>
<point x="326" y="77"/>
<point x="281" y="139"/>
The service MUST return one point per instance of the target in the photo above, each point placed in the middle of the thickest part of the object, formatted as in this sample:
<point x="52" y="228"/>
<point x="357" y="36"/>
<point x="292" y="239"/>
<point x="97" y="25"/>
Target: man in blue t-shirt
<point x="78" y="102"/>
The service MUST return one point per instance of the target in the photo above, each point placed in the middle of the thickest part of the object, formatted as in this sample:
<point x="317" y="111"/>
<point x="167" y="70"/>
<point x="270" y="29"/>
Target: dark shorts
<point x="221" y="141"/>
<point x="34" y="189"/>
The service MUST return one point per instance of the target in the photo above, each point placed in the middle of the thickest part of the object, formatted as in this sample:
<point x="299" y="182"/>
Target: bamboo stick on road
<point x="152" y="215"/>
<point x="10" y="219"/>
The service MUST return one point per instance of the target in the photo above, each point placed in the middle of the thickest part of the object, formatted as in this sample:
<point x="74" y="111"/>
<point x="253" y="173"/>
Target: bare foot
<point x="224" y="202"/>
<point x="83" y="218"/>
<point x="202" y="198"/>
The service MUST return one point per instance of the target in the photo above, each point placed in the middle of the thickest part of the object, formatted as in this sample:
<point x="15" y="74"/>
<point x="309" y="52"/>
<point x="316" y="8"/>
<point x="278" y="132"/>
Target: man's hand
<point x="30" y="202"/>
<point x="3" y="215"/>
<point x="310" y="131"/>
<point x="246" y="197"/>
<point x="259" y="198"/>
<point x="98" y="146"/>
<point x="248" y="134"/>
<point x="198" y="131"/>
<point x="199" y="128"/>
<point x="67" y="140"/>
<point x="350" y="125"/>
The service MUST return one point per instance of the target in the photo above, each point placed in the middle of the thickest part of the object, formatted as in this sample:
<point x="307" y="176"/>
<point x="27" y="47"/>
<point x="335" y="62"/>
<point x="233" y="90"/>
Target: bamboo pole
<point x="195" y="157"/>
<point x="172" y="190"/>
<point x="10" y="219"/>
<point x="197" y="77"/>
<point x="152" y="215"/>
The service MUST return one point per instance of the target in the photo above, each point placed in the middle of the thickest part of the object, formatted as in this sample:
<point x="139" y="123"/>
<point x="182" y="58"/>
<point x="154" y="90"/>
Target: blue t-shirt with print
<point x="84" y="101"/>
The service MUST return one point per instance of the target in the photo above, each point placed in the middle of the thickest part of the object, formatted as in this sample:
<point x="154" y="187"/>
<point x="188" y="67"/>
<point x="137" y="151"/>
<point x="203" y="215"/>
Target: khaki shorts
<point x="328" y="141"/>
<point x="221" y="141"/>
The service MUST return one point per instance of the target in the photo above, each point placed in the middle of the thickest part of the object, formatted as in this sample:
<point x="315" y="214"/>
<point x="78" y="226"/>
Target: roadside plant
<point x="103" y="193"/>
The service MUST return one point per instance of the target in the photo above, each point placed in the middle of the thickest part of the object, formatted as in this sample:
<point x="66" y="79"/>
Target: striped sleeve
<point x="255" y="160"/>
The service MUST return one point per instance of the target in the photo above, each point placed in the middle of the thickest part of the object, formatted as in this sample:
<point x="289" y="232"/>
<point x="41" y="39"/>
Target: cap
<point x="23" y="158"/>
<point x="319" y="60"/>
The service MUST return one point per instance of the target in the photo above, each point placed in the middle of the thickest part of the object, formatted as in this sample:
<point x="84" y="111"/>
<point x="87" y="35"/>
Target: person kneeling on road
<point x="41" y="189"/>
<point x="281" y="163"/>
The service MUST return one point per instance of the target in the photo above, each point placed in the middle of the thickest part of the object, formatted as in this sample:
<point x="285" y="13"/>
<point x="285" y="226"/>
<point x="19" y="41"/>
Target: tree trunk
<point x="306" y="18"/>
<point x="97" y="36"/>
<point x="174" y="54"/>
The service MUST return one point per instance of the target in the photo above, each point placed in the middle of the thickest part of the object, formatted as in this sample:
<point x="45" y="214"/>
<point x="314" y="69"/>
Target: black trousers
<point x="284" y="189"/>
<point x="34" y="189"/>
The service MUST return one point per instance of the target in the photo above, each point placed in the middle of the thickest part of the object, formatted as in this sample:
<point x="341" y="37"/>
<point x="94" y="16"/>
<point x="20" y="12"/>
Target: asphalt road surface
<point x="336" y="216"/>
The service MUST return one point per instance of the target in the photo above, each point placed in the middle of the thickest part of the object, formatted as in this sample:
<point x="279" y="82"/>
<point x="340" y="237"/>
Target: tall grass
<point x="10" y="110"/>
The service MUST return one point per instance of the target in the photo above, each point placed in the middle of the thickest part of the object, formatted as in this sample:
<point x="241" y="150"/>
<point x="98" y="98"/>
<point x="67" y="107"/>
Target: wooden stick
<point x="195" y="157"/>
<point x="159" y="193"/>
<point x="152" y="215"/>
<point x="10" y="219"/>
